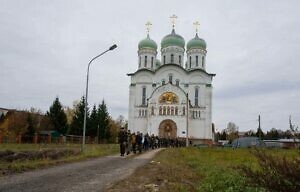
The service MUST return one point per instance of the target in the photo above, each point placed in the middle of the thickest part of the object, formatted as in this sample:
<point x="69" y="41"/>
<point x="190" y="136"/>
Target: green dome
<point x="147" y="43"/>
<point x="196" y="42"/>
<point x="172" y="40"/>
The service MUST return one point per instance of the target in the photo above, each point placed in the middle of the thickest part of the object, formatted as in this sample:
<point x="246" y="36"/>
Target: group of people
<point x="137" y="142"/>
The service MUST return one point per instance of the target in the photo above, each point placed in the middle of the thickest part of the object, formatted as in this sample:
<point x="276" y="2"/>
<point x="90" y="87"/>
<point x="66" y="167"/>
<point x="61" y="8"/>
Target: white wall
<point x="198" y="128"/>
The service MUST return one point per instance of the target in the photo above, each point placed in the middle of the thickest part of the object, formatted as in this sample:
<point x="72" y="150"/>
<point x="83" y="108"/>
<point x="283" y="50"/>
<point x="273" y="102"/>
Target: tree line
<point x="65" y="120"/>
<point x="231" y="132"/>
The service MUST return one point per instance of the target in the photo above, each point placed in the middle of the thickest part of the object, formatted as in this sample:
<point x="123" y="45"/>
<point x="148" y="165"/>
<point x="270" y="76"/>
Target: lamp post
<point x="86" y="93"/>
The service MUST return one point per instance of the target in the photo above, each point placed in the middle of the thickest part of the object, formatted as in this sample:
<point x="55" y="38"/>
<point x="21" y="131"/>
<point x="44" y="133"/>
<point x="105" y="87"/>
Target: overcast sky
<point x="253" y="47"/>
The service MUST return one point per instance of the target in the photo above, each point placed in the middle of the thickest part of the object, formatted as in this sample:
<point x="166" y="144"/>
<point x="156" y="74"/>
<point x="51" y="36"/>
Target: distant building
<point x="242" y="133"/>
<point x="283" y="143"/>
<point x="245" y="142"/>
<point x="3" y="111"/>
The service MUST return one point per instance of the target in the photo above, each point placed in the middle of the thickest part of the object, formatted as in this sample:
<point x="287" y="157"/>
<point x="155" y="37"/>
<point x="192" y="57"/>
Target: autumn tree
<point x="231" y="131"/>
<point x="114" y="128"/>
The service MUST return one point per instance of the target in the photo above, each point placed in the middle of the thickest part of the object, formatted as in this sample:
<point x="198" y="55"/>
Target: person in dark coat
<point x="122" y="141"/>
<point x="133" y="142"/>
<point x="146" y="142"/>
<point x="128" y="142"/>
<point x="139" y="141"/>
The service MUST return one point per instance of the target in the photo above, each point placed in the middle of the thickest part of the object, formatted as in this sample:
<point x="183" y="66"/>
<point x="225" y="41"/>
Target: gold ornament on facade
<point x="168" y="98"/>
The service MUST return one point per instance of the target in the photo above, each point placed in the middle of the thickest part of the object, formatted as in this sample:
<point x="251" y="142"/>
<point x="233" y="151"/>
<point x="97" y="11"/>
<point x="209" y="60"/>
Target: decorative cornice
<point x="178" y="66"/>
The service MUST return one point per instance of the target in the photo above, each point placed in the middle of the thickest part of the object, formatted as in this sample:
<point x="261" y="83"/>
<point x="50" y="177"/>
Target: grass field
<point x="196" y="169"/>
<point x="91" y="151"/>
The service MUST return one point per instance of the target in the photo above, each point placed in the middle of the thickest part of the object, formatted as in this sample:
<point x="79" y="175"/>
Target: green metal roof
<point x="196" y="42"/>
<point x="172" y="40"/>
<point x="147" y="43"/>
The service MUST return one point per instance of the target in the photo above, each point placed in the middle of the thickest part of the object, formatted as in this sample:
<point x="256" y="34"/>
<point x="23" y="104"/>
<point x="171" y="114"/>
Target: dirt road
<point x="91" y="175"/>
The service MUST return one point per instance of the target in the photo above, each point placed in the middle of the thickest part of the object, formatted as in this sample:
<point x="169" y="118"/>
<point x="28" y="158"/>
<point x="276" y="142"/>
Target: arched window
<point x="160" y="110"/>
<point x="172" y="58"/>
<point x="183" y="110"/>
<point x="203" y="61"/>
<point x="152" y="110"/>
<point x="145" y="60"/>
<point x="144" y="96"/>
<point x="171" y="79"/>
<point x="140" y="61"/>
<point x="140" y="113"/>
<point x="164" y="59"/>
<point x="168" y="111"/>
<point x="196" y="60"/>
<point x="199" y="114"/>
<point x="177" y="82"/>
<point x="151" y="62"/>
<point x="190" y="61"/>
<point x="164" y="110"/>
<point x="143" y="113"/>
<point x="179" y="59"/>
<point x="176" y="110"/>
<point x="172" y="110"/>
<point x="196" y="96"/>
<point x="163" y="82"/>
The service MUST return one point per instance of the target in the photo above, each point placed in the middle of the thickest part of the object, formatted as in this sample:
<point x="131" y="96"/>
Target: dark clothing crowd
<point x="137" y="142"/>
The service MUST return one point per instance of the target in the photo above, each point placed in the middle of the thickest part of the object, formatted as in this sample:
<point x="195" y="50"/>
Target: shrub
<point x="274" y="173"/>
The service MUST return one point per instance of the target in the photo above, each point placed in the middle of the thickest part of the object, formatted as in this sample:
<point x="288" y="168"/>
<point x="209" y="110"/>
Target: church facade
<point x="172" y="97"/>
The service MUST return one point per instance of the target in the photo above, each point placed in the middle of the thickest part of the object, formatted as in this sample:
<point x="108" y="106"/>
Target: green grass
<point x="91" y="151"/>
<point x="214" y="168"/>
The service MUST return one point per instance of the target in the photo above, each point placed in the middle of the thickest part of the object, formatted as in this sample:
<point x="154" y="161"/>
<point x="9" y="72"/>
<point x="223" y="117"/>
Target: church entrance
<point x="167" y="129"/>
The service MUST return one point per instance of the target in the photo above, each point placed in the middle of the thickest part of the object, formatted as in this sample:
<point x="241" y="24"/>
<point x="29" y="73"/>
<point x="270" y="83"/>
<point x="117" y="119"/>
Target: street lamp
<point x="86" y="93"/>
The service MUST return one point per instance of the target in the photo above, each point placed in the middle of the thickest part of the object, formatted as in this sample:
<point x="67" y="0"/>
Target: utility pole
<point x="259" y="122"/>
<point x="259" y="128"/>
<point x="290" y="122"/>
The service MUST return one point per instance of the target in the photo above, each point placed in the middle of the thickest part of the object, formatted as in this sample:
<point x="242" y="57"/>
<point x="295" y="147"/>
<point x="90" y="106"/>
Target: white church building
<point x="172" y="97"/>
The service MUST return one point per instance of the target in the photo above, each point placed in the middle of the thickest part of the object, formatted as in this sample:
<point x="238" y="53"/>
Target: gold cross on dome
<point x="148" y="26"/>
<point x="173" y="20"/>
<point x="196" y="24"/>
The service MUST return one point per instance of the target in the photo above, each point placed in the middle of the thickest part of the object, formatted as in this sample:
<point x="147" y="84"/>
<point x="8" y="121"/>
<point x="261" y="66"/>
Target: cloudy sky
<point x="253" y="47"/>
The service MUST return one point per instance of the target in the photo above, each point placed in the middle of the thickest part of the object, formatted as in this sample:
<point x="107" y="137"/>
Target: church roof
<point x="172" y="39"/>
<point x="147" y="43"/>
<point x="196" y="42"/>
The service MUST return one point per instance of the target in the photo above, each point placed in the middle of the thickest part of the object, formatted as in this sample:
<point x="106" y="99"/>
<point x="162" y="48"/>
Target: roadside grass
<point x="91" y="151"/>
<point x="197" y="169"/>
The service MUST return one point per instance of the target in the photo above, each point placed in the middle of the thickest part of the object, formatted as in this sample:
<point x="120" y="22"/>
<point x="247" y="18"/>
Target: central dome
<point x="172" y="40"/>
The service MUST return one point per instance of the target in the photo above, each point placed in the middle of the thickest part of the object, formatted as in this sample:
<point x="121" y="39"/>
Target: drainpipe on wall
<point x="187" y="120"/>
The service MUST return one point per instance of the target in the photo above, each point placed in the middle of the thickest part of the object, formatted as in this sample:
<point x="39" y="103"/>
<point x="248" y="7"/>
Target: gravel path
<point x="90" y="175"/>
